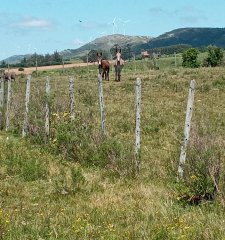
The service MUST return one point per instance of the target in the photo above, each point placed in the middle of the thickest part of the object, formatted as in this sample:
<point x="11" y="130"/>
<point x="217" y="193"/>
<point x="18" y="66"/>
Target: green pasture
<point x="79" y="184"/>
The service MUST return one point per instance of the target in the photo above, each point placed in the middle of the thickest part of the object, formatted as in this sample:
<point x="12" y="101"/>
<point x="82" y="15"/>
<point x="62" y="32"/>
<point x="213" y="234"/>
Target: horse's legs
<point x="116" y="73"/>
<point x="107" y="74"/>
<point x="119" y="73"/>
<point x="103" y="73"/>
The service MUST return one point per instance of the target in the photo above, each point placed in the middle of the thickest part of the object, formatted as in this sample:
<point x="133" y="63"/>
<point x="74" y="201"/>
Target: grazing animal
<point x="103" y="66"/>
<point x="9" y="75"/>
<point x="118" y="65"/>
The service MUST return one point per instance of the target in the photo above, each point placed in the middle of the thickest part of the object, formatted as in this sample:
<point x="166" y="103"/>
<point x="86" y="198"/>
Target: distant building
<point x="145" y="54"/>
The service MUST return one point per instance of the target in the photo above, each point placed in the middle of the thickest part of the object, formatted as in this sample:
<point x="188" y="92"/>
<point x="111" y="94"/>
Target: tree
<point x="215" y="56"/>
<point x="3" y="64"/>
<point x="190" y="58"/>
<point x="92" y="55"/>
<point x="127" y="52"/>
<point x="56" y="57"/>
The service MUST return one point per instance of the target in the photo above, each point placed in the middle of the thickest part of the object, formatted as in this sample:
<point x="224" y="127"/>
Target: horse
<point x="118" y="65"/>
<point x="103" y="66"/>
<point x="9" y="75"/>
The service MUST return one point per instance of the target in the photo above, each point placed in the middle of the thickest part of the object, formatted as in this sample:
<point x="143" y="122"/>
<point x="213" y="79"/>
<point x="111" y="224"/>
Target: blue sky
<point x="43" y="26"/>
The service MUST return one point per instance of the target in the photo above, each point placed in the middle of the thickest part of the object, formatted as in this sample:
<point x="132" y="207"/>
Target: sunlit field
<point x="79" y="184"/>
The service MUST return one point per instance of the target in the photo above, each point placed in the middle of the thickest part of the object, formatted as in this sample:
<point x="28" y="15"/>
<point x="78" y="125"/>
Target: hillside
<point x="195" y="37"/>
<point x="105" y="44"/>
<point x="16" y="58"/>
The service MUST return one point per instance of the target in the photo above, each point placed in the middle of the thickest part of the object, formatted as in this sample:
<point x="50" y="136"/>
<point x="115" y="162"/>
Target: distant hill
<point x="16" y="58"/>
<point x="196" y="37"/>
<point x="105" y="44"/>
<point x="183" y="37"/>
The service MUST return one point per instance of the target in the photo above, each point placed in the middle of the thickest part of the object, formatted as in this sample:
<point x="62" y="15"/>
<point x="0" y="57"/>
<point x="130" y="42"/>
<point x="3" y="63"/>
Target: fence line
<point x="189" y="110"/>
<point x="47" y="108"/>
<point x="71" y="95"/>
<point x="138" y="124"/>
<point x="187" y="128"/>
<point x="27" y="99"/>
<point x="2" y="101"/>
<point x="9" y="98"/>
<point x="101" y="104"/>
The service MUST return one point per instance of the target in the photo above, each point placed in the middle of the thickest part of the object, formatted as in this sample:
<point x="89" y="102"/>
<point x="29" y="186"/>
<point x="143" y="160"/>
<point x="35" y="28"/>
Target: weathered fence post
<point x="27" y="99"/>
<point x="47" y="108"/>
<point x="135" y="68"/>
<point x="8" y="104"/>
<point x="88" y="67"/>
<point x="187" y="128"/>
<point x="138" y="124"/>
<point x="71" y="95"/>
<point x="63" y="66"/>
<point x="2" y="101"/>
<point x="175" y="59"/>
<point x="101" y="104"/>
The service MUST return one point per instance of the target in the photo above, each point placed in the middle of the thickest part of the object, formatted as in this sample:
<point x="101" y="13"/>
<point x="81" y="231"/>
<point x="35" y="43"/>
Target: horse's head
<point x="99" y="59"/>
<point x="118" y="54"/>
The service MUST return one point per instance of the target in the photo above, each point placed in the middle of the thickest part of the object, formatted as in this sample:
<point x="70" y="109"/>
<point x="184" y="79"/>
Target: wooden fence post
<point x="8" y="104"/>
<point x="47" y="108"/>
<point x="135" y="68"/>
<point x="101" y="104"/>
<point x="187" y="128"/>
<point x="138" y="123"/>
<point x="71" y="95"/>
<point x="27" y="99"/>
<point x="2" y="102"/>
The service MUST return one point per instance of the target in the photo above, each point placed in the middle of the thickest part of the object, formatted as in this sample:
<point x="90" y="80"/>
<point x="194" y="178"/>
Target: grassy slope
<point x="104" y="203"/>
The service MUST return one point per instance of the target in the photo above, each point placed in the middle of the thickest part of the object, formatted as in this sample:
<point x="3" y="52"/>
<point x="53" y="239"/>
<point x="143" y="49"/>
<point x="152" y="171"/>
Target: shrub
<point x="76" y="141"/>
<point x="214" y="58"/>
<point x="190" y="58"/>
<point x="17" y="161"/>
<point x="204" y="171"/>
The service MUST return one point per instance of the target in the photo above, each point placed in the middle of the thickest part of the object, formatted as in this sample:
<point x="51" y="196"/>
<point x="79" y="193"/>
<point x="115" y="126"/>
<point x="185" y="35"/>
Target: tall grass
<point x="81" y="185"/>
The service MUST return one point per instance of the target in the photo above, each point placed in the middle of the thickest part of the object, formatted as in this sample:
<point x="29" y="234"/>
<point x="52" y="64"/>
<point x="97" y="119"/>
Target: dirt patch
<point x="32" y="69"/>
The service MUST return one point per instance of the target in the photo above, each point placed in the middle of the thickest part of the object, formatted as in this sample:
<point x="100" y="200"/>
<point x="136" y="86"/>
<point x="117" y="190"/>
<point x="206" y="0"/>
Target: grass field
<point x="81" y="185"/>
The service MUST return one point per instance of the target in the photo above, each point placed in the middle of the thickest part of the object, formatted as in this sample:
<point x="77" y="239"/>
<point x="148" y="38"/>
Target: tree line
<point x="214" y="57"/>
<point x="189" y="56"/>
<point x="37" y="59"/>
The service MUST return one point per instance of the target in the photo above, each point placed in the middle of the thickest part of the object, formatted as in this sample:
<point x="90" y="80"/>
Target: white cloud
<point x="34" y="23"/>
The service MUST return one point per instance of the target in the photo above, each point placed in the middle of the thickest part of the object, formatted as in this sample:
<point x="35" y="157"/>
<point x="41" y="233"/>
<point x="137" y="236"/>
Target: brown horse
<point x="103" y="66"/>
<point x="9" y="75"/>
<point x="118" y="65"/>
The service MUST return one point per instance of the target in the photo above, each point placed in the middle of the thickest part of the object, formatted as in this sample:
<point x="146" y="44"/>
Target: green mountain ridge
<point x="195" y="37"/>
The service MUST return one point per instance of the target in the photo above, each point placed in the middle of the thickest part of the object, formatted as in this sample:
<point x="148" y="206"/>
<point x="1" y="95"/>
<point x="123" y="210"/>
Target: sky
<point x="45" y="26"/>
